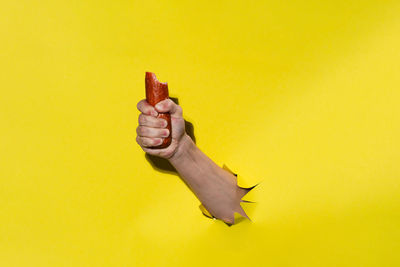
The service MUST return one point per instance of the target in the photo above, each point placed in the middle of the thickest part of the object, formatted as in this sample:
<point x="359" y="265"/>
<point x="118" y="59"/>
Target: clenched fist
<point x="152" y="130"/>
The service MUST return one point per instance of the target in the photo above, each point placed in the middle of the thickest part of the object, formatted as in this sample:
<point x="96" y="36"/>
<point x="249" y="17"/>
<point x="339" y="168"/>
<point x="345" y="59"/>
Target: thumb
<point x="167" y="105"/>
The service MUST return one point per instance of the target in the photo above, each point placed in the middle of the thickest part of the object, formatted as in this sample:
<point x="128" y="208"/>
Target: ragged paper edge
<point x="246" y="204"/>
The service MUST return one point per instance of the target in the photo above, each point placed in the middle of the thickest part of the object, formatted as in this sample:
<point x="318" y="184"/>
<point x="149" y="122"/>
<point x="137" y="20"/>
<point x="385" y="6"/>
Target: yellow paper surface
<point x="301" y="97"/>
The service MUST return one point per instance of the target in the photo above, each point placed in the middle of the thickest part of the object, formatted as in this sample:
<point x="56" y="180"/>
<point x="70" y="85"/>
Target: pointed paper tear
<point x="205" y="212"/>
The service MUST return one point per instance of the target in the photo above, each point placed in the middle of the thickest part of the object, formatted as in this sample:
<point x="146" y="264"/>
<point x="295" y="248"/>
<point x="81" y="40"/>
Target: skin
<point x="215" y="187"/>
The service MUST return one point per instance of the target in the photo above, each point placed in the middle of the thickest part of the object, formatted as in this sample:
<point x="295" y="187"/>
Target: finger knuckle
<point x="139" y="104"/>
<point x="142" y="130"/>
<point x="142" y="119"/>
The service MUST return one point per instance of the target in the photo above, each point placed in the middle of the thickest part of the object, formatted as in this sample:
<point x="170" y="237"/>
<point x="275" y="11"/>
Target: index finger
<point x="144" y="107"/>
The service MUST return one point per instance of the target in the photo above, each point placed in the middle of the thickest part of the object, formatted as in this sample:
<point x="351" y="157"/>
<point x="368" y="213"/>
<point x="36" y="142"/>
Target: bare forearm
<point x="215" y="187"/>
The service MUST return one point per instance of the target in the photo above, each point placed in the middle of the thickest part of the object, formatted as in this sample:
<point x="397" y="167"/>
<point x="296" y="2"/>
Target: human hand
<point x="152" y="130"/>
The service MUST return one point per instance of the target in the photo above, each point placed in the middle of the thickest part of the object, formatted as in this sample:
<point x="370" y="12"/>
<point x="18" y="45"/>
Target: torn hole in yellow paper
<point x="246" y="204"/>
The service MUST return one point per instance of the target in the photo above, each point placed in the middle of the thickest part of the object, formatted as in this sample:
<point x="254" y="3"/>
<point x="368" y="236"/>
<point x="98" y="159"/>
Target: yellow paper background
<point x="301" y="95"/>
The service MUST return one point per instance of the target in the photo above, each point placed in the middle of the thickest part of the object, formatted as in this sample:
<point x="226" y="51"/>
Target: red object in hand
<point x="156" y="92"/>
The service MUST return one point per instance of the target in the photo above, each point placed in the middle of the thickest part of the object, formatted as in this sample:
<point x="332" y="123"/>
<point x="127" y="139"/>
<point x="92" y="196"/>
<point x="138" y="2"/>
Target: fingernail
<point x="166" y="133"/>
<point x="154" y="113"/>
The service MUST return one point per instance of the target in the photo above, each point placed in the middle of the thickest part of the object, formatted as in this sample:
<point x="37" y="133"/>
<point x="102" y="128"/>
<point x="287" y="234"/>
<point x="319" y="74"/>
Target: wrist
<point x="185" y="146"/>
